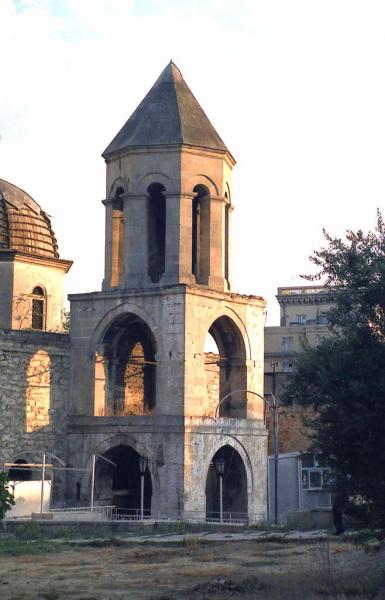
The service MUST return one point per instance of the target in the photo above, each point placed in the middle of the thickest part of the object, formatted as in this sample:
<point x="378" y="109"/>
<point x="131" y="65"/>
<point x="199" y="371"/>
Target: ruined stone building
<point x="150" y="357"/>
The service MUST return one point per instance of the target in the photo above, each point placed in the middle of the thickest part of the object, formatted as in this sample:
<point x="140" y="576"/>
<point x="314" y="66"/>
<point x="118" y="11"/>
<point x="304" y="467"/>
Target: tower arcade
<point x="144" y="382"/>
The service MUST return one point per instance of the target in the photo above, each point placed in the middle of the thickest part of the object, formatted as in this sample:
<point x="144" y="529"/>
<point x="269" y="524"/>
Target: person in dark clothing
<point x="337" y="515"/>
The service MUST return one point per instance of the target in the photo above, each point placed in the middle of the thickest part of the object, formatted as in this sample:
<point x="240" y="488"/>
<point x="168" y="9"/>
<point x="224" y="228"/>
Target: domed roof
<point x="24" y="226"/>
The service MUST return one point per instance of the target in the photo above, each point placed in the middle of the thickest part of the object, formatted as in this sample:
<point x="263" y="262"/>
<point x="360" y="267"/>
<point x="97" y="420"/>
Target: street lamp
<point x="220" y="469"/>
<point x="274" y="407"/>
<point x="143" y="462"/>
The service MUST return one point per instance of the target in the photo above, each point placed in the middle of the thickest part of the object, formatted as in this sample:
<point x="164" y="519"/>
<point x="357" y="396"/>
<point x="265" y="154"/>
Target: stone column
<point x="216" y="279"/>
<point x="178" y="239"/>
<point x="107" y="246"/>
<point x="135" y="245"/>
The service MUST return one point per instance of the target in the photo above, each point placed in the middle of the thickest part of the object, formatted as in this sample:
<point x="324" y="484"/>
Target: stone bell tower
<point x="164" y="358"/>
<point x="168" y="194"/>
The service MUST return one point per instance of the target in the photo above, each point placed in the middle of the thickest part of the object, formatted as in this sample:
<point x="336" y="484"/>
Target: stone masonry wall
<point x="34" y="383"/>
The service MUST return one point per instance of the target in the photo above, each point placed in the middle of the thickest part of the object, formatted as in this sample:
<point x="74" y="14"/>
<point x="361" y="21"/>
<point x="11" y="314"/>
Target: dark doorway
<point x="22" y="473"/>
<point x="234" y="482"/>
<point x="120" y="486"/>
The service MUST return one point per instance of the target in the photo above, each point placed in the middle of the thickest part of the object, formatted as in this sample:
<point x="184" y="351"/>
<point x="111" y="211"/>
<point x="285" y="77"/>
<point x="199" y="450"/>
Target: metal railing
<point x="105" y="511"/>
<point x="112" y="513"/>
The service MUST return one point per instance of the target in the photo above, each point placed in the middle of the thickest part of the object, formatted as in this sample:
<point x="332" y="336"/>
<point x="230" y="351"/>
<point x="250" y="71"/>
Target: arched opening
<point x="125" y="369"/>
<point x="156" y="231"/>
<point x="117" y="236"/>
<point x="212" y="374"/>
<point x="38" y="309"/>
<point x="38" y="391"/>
<point x="200" y="264"/>
<point x="22" y="473"/>
<point x="120" y="485"/>
<point x="234" y="486"/>
<point x="232" y="368"/>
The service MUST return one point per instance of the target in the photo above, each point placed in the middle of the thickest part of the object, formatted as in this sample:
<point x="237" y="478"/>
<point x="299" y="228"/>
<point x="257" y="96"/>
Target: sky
<point x="295" y="88"/>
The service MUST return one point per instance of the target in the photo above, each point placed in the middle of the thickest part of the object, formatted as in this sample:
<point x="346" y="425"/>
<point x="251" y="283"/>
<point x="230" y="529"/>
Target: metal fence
<point x="112" y="513"/>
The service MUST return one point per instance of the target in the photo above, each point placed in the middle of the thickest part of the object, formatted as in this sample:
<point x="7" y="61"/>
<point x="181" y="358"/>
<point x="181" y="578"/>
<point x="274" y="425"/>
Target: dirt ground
<point x="195" y="568"/>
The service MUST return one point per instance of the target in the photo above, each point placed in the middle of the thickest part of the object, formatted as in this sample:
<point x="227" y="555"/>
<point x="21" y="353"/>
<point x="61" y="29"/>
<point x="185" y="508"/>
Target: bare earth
<point x="195" y="568"/>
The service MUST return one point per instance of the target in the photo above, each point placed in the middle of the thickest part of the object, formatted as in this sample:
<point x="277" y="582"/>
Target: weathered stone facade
<point x="34" y="386"/>
<point x="148" y="404"/>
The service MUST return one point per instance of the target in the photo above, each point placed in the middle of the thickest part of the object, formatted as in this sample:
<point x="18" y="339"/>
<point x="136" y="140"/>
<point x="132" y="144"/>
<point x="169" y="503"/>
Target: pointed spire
<point x="168" y="115"/>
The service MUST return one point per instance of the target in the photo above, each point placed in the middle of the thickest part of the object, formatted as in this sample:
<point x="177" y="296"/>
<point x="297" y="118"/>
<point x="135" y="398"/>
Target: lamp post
<point x="142" y="468"/>
<point x="274" y="407"/>
<point x="220" y="469"/>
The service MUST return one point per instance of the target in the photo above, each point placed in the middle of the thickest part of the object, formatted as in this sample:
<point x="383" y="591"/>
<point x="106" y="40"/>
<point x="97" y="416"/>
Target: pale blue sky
<point x="295" y="88"/>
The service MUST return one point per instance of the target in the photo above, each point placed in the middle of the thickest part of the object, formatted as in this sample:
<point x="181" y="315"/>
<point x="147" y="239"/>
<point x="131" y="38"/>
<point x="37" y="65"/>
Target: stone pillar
<point x="178" y="239"/>
<point x="107" y="246"/>
<point x="216" y="279"/>
<point x="135" y="248"/>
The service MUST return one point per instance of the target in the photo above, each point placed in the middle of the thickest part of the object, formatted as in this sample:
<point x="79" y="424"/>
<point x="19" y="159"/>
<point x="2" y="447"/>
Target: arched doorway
<point x="120" y="485"/>
<point x="234" y="486"/>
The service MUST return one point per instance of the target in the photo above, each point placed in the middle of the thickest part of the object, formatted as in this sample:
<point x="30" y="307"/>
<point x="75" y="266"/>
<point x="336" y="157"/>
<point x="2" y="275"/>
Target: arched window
<point x="38" y="309"/>
<point x="156" y="231"/>
<point x="200" y="259"/>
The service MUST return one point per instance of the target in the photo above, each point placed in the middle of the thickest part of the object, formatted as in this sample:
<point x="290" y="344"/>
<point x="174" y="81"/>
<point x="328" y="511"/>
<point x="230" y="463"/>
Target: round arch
<point x="125" y="369"/>
<point x="229" y="440"/>
<point x="120" y="484"/>
<point x="229" y="312"/>
<point x="234" y="485"/>
<point x="226" y="367"/>
<point x="115" y="313"/>
<point x="119" y="182"/>
<point x="201" y="179"/>
<point x="155" y="177"/>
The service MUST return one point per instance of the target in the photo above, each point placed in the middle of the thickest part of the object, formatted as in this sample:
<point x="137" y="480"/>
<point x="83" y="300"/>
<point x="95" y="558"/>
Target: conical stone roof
<point x="168" y="115"/>
<point x="24" y="226"/>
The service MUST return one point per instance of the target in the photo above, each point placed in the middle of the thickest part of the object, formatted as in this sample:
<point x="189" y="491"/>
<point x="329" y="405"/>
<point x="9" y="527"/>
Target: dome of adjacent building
<point x="24" y="226"/>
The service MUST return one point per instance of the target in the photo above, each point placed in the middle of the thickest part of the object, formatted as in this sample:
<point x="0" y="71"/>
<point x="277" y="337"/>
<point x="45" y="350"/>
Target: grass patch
<point x="15" y="547"/>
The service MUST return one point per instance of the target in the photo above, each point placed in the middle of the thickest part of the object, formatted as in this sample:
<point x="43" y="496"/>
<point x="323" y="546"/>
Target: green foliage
<point x="6" y="496"/>
<point x="343" y="378"/>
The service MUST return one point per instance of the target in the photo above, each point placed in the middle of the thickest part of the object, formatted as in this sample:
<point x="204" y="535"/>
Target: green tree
<point x="343" y="378"/>
<point x="6" y="497"/>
